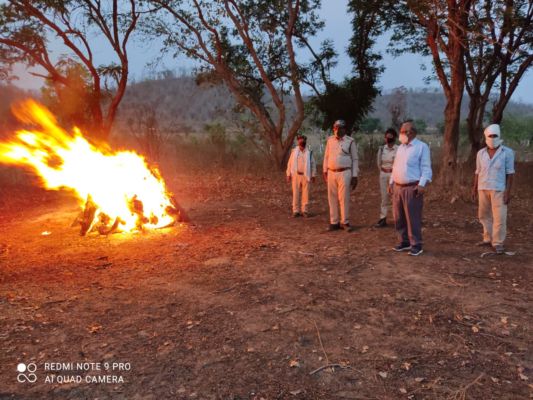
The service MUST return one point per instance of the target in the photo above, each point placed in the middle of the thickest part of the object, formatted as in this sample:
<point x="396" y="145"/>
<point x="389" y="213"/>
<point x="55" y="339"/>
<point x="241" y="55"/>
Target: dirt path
<point x="249" y="302"/>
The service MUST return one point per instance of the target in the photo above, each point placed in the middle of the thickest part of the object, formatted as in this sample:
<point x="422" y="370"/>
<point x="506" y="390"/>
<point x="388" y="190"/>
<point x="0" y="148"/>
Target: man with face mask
<point x="301" y="171"/>
<point x="492" y="185"/>
<point x="386" y="154"/>
<point x="340" y="169"/>
<point x="411" y="172"/>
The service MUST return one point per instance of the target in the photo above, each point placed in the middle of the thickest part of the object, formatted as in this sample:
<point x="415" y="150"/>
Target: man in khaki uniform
<point x="341" y="167"/>
<point x="301" y="170"/>
<point x="386" y="154"/>
<point x="492" y="185"/>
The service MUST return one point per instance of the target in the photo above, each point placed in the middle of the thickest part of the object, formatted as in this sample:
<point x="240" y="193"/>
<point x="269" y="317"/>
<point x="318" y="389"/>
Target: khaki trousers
<point x="300" y="189"/>
<point x="492" y="214"/>
<point x="339" y="194"/>
<point x="384" y="178"/>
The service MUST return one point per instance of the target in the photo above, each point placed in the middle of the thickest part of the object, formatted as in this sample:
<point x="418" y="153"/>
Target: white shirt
<point x="412" y="163"/>
<point x="341" y="153"/>
<point x="298" y="162"/>
<point x="492" y="173"/>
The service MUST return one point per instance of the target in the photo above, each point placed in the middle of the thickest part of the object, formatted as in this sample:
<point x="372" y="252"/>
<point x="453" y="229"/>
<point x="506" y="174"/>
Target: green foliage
<point x="421" y="125"/>
<point x="352" y="99"/>
<point x="517" y="128"/>
<point x="370" y="125"/>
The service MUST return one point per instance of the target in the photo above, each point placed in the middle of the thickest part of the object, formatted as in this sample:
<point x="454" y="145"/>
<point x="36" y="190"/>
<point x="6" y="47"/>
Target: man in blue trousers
<point x="411" y="172"/>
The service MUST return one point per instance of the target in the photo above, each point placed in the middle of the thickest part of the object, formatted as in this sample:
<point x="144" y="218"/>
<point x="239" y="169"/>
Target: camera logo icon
<point x="26" y="372"/>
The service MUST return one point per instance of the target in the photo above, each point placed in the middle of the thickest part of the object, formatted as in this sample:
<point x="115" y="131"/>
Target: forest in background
<point x="176" y="104"/>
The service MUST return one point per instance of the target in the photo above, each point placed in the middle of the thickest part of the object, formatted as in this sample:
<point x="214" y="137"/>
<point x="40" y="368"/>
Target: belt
<point x="300" y="173"/>
<point x="386" y="170"/>
<point x="406" y="184"/>
<point x="338" y="169"/>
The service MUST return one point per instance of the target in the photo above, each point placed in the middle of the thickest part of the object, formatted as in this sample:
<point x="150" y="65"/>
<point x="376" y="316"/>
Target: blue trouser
<point x="407" y="210"/>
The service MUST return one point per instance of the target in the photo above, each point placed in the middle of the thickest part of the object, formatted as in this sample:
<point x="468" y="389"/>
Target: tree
<point x="29" y="29"/>
<point x="352" y="98"/>
<point x="439" y="28"/>
<point x="250" y="47"/>
<point x="499" y="52"/>
<point x="397" y="106"/>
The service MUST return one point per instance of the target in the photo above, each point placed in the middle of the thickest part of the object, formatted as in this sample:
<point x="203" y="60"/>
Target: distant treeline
<point x="175" y="103"/>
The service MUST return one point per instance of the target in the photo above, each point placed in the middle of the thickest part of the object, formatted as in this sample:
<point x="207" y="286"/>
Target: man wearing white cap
<point x="340" y="168"/>
<point x="492" y="185"/>
<point x="301" y="171"/>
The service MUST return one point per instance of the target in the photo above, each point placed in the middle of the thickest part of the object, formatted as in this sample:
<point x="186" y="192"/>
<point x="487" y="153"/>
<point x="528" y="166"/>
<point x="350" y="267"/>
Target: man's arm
<point x="325" y="162"/>
<point x="425" y="167"/>
<point x="355" y="159"/>
<point x="289" y="164"/>
<point x="380" y="155"/>
<point x="509" y="174"/>
<point x="355" y="164"/>
<point x="508" y="186"/>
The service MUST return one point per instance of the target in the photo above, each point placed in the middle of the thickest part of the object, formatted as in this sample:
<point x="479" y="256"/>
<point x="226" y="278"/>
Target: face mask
<point x="302" y="143"/>
<point x="493" y="143"/>
<point x="389" y="140"/>
<point x="404" y="139"/>
<point x="338" y="133"/>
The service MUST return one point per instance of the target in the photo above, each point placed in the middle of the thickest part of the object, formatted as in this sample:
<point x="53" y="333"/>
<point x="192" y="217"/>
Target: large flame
<point x="119" y="186"/>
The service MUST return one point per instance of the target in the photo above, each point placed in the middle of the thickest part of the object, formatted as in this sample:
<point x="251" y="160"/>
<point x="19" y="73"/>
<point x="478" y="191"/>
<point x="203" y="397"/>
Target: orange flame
<point x="119" y="184"/>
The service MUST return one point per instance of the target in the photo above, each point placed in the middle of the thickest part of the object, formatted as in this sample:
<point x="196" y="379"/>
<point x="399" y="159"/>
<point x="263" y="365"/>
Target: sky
<point x="399" y="71"/>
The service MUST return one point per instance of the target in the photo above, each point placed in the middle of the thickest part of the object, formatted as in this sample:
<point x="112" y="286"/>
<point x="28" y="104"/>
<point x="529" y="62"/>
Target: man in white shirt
<point x="301" y="171"/>
<point x="492" y="184"/>
<point x="340" y="170"/>
<point x="411" y="172"/>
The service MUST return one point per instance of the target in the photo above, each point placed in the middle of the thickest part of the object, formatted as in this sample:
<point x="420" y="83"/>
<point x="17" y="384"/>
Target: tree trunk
<point x="452" y="114"/>
<point x="474" y="122"/>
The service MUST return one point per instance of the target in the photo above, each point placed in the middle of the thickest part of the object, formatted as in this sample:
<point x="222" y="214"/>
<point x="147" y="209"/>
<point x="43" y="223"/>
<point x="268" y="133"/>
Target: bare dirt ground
<point x="249" y="303"/>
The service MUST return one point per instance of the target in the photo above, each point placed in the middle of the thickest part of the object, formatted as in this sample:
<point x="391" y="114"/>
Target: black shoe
<point x="334" y="227"/>
<point x="416" y="251"/>
<point x="382" y="223"/>
<point x="347" y="227"/>
<point x="402" y="247"/>
<point x="296" y="215"/>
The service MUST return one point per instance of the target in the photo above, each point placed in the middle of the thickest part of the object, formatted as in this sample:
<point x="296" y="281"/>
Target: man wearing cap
<point x="411" y="172"/>
<point x="492" y="185"/>
<point x="301" y="170"/>
<point x="340" y="167"/>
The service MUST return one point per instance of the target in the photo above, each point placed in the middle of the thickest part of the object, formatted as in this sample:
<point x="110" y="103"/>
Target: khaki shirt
<point x="386" y="156"/>
<point x="341" y="153"/>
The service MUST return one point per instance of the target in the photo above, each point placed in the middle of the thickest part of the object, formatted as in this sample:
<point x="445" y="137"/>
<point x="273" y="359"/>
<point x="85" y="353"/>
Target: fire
<point x="117" y="191"/>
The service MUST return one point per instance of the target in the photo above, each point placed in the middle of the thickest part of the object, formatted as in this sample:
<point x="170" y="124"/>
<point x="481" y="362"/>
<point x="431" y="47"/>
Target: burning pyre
<point x="116" y="190"/>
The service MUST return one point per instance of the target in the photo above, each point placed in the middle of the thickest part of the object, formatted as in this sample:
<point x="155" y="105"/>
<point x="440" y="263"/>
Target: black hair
<point x="392" y="131"/>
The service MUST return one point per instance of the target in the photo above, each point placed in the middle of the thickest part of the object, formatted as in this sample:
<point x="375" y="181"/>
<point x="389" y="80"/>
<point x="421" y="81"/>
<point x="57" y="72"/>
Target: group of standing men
<point x="405" y="171"/>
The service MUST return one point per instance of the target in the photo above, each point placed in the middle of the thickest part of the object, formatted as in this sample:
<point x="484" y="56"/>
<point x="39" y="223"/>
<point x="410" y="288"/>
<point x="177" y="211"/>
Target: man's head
<point x="390" y="136"/>
<point x="339" y="128"/>
<point x="493" y="136"/>
<point x="302" y="140"/>
<point x="407" y="132"/>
